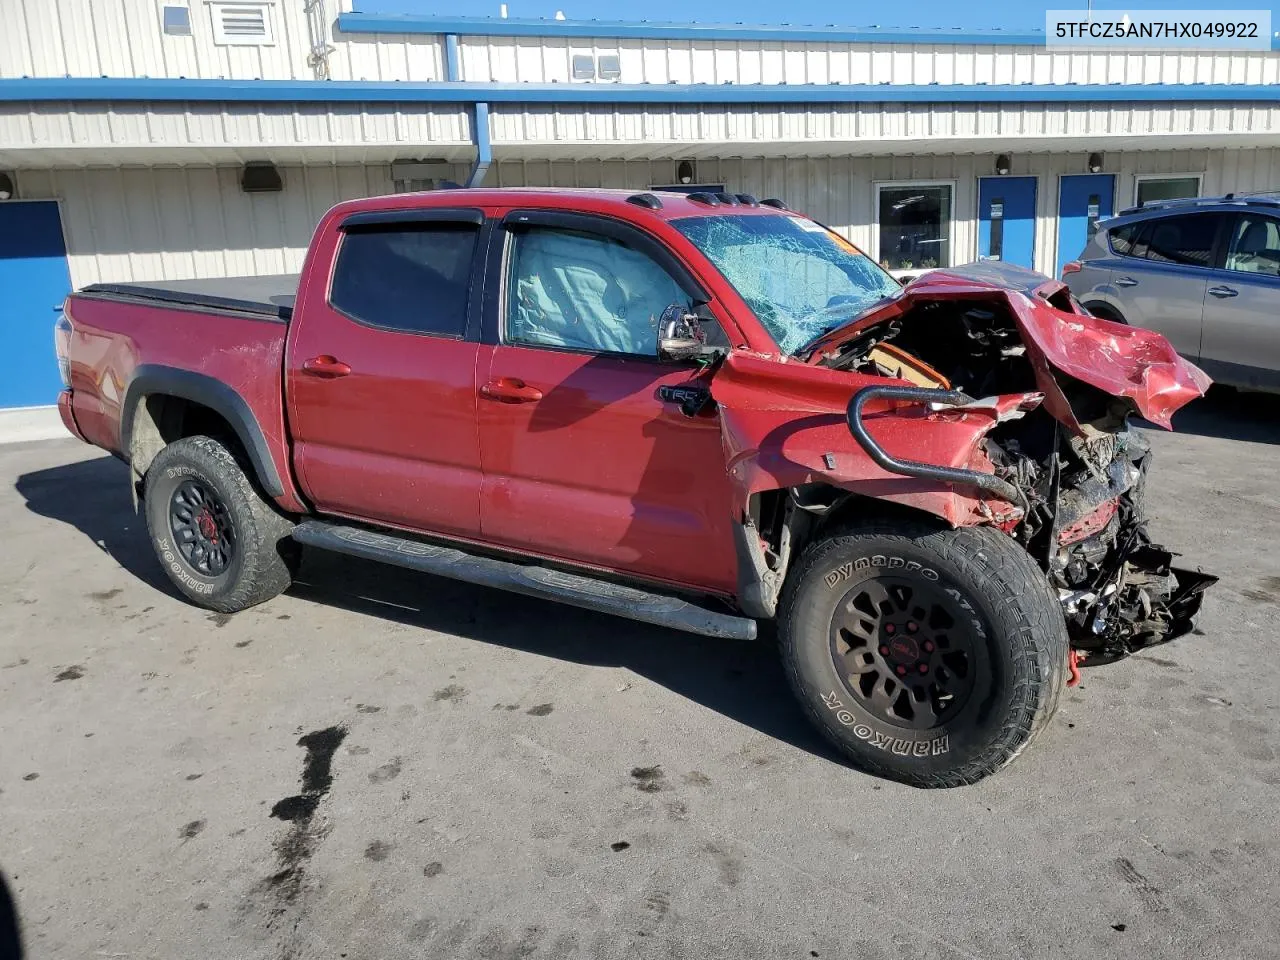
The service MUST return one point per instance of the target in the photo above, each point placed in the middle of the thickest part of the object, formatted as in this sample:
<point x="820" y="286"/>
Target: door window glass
<point x="915" y="226"/>
<point x="1185" y="240"/>
<point x="585" y="292"/>
<point x="1255" y="246"/>
<point x="412" y="277"/>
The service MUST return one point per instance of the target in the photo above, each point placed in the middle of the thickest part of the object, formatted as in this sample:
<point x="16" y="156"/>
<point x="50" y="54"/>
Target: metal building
<point x="144" y="139"/>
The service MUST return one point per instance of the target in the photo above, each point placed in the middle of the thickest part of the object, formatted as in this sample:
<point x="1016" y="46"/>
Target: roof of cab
<point x="579" y="199"/>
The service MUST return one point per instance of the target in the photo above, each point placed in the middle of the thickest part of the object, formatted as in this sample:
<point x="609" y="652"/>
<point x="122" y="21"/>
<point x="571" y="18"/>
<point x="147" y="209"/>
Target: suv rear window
<point x="411" y="276"/>
<point x="1186" y="240"/>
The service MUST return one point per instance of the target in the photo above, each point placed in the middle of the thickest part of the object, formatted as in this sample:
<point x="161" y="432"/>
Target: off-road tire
<point x="1020" y="642"/>
<point x="264" y="557"/>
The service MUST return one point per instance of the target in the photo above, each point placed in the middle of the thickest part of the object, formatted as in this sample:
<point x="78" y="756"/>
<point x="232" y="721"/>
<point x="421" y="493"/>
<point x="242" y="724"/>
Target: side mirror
<point x="680" y="335"/>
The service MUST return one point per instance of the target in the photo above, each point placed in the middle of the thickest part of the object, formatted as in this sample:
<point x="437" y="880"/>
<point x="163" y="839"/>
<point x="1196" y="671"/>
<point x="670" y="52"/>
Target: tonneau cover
<point x="270" y="296"/>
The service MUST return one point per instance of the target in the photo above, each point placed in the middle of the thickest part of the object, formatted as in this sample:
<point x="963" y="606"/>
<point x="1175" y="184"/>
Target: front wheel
<point x="221" y="543"/>
<point x="930" y="656"/>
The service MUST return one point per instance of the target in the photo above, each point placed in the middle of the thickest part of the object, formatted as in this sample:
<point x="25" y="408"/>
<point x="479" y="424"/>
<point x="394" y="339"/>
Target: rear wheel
<point x="221" y="543"/>
<point x="930" y="656"/>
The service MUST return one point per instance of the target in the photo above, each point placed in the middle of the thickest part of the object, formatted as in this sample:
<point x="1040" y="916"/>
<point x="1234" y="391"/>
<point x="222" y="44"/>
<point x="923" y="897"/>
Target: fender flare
<point x="149" y="379"/>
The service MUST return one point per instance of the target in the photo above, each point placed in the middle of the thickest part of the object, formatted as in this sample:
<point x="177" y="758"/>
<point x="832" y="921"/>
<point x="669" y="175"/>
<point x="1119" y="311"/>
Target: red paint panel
<point x="111" y="339"/>
<point x="601" y="471"/>
<point x="781" y="421"/>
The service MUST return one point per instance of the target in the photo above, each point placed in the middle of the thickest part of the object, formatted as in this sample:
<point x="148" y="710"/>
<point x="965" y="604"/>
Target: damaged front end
<point x="1067" y="459"/>
<point x="1119" y="591"/>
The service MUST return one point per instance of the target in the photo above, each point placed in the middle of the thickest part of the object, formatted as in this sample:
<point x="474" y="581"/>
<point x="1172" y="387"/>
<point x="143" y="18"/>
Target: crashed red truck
<point x="698" y="411"/>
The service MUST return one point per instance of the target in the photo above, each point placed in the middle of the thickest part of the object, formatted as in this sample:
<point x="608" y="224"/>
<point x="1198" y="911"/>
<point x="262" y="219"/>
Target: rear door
<point x="1241" y="342"/>
<point x="588" y="456"/>
<point x="1161" y="283"/>
<point x="382" y="374"/>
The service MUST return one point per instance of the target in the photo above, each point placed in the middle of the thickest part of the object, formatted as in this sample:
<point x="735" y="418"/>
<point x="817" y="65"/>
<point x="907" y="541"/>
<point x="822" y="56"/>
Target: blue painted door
<point x="1007" y="220"/>
<point x="33" y="283"/>
<point x="1083" y="200"/>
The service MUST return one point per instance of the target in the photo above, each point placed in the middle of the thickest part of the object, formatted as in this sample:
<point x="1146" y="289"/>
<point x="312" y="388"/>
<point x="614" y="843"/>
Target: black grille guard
<point x="912" y="468"/>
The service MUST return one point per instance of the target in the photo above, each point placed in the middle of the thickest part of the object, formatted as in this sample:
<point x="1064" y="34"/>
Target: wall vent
<point x="242" y="22"/>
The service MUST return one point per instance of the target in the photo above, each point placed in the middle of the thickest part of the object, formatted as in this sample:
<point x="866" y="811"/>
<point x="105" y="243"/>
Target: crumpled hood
<point x="1136" y="364"/>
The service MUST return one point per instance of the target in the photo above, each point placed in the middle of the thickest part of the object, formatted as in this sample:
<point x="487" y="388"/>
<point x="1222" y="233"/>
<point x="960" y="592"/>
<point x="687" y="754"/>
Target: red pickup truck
<point x="699" y="411"/>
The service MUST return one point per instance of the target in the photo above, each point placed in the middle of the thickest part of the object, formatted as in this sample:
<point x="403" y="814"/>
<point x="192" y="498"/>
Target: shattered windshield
<point x="799" y="278"/>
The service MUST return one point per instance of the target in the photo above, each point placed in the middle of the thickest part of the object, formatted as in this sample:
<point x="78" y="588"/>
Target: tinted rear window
<point x="412" y="277"/>
<point x="1186" y="240"/>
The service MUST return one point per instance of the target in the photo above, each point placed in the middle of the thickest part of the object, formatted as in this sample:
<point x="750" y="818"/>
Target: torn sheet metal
<point x="784" y="425"/>
<point x="1122" y="361"/>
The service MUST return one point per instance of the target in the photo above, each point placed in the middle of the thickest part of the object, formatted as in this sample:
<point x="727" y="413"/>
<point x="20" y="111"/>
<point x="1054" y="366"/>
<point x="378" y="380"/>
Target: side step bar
<point x="531" y="580"/>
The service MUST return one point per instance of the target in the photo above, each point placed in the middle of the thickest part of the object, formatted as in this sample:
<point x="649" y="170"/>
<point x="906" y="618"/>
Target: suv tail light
<point x="62" y="330"/>
<point x="1071" y="266"/>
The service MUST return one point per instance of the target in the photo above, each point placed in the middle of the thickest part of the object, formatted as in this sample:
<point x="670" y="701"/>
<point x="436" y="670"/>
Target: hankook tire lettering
<point x="883" y="741"/>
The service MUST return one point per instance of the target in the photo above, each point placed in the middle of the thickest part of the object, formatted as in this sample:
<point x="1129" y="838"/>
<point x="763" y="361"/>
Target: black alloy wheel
<point x="201" y="526"/>
<point x="904" y="651"/>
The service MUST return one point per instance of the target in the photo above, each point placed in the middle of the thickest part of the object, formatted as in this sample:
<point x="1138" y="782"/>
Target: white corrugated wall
<point x="178" y="222"/>
<point x="123" y="38"/>
<point x="173" y="223"/>
<point x="537" y="59"/>
<point x="841" y="191"/>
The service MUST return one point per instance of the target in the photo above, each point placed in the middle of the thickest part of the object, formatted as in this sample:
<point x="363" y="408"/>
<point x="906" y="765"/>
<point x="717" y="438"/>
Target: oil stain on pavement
<point x="295" y="847"/>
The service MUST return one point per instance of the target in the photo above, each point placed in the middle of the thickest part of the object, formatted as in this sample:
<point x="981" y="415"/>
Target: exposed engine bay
<point x="1083" y="489"/>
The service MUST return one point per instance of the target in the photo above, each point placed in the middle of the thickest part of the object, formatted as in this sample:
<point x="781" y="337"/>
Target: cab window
<point x="582" y="291"/>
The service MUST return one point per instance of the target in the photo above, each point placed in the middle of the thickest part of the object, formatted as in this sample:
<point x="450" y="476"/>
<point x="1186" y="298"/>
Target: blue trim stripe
<point x="359" y="91"/>
<point x="644" y="30"/>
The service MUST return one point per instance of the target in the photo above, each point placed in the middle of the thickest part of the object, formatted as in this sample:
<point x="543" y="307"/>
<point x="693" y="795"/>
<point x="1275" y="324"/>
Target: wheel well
<point x="779" y="525"/>
<point x="1105" y="311"/>
<point x="161" y="418"/>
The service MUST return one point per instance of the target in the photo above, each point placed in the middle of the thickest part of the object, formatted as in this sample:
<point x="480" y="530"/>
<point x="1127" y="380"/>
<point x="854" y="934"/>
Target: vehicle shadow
<point x="93" y="496"/>
<point x="10" y="934"/>
<point x="1231" y="415"/>
<point x="740" y="680"/>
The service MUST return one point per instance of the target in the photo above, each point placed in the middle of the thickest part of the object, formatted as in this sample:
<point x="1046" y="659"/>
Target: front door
<point x="1083" y="200"/>
<point x="382" y="375"/>
<point x="33" y="283"/>
<point x="1241" y="340"/>
<point x="1007" y="220"/>
<point x="588" y="456"/>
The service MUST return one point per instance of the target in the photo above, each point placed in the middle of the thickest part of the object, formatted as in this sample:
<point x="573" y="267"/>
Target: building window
<point x="175" y="21"/>
<point x="242" y="22"/>
<point x="584" y="67"/>
<point x="1152" y="189"/>
<point x="610" y="67"/>
<point x="914" y="225"/>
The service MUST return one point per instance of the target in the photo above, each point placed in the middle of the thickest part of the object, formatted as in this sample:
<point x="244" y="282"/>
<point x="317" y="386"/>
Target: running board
<point x="531" y="580"/>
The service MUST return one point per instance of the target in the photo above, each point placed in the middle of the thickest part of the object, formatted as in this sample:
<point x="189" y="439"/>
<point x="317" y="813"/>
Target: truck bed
<point x="269" y="296"/>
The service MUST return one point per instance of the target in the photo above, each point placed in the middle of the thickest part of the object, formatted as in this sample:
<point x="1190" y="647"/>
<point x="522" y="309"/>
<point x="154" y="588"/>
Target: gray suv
<point x="1205" y="273"/>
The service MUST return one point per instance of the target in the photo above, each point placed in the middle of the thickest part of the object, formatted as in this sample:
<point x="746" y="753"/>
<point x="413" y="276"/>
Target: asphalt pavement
<point x="379" y="764"/>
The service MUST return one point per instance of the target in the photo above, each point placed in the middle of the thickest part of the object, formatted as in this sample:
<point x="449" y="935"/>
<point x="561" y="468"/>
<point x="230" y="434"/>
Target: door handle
<point x="510" y="390"/>
<point x="326" y="366"/>
<point x="1223" y="292"/>
<point x="1126" y="282"/>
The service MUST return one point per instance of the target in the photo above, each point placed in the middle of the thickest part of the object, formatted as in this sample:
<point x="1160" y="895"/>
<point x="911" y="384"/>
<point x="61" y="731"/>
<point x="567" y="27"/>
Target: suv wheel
<point x="927" y="656"/>
<point x="220" y="542"/>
